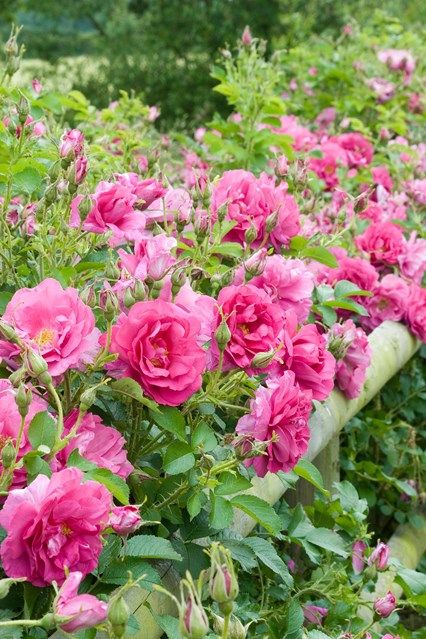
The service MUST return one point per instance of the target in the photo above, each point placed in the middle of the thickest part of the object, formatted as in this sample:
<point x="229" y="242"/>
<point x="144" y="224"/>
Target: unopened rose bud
<point x="236" y="630"/>
<point x="178" y="279"/>
<point x="156" y="287"/>
<point x="8" y="332"/>
<point x="380" y="556"/>
<point x="23" y="109"/>
<point x="128" y="299"/>
<point x="250" y="235"/>
<point x="71" y="145"/>
<point x="193" y="620"/>
<point x="139" y="291"/>
<point x="49" y="621"/>
<point x="223" y="583"/>
<point x="17" y="377"/>
<point x="50" y="194"/>
<point x="358" y="556"/>
<point x="281" y="167"/>
<point x="271" y="222"/>
<point x="262" y="360"/>
<point x="246" y="38"/>
<point x="85" y="207"/>
<point x="124" y="520"/>
<point x="111" y="306"/>
<point x="385" y="605"/>
<point x="8" y="455"/>
<point x="222" y="335"/>
<point x="23" y="399"/>
<point x="37" y="367"/>
<point x="87" y="399"/>
<point x="11" y="48"/>
<point x="118" y="616"/>
<point x="88" y="296"/>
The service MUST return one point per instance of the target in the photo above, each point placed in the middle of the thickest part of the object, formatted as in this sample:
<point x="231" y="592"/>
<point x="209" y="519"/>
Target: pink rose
<point x="383" y="89"/>
<point x="307" y="356"/>
<point x="288" y="220"/>
<point x="278" y="412"/>
<point x="72" y="143"/>
<point x="384" y="242"/>
<point x="289" y="283"/>
<point x="381" y="176"/>
<point x="152" y="257"/>
<point x="384" y="606"/>
<point x="124" y="520"/>
<point x="146" y="191"/>
<point x="358" y="556"/>
<point x="176" y="205"/>
<point x="102" y="445"/>
<point x="359" y="151"/>
<point x="417" y="189"/>
<point x="255" y="322"/>
<point x="54" y="523"/>
<point x="86" y="610"/>
<point x="157" y="346"/>
<point x="380" y="556"/>
<point x="333" y="156"/>
<point x="202" y="307"/>
<point x="56" y="322"/>
<point x="389" y="302"/>
<point x="416" y="311"/>
<point x="80" y="169"/>
<point x="303" y="139"/>
<point x="350" y="346"/>
<point x="412" y="261"/>
<point x="354" y="269"/>
<point x="398" y="60"/>
<point x="314" y="614"/>
<point x="10" y="422"/>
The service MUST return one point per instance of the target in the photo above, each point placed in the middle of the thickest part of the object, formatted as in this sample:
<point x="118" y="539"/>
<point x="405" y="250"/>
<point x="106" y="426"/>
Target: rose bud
<point x="223" y="583"/>
<point x="380" y="556"/>
<point x="385" y="605"/>
<point x="236" y="630"/>
<point x="314" y="614"/>
<point x="83" y="611"/>
<point x="246" y="37"/>
<point x="192" y="618"/>
<point x="124" y="520"/>
<point x="358" y="550"/>
<point x="118" y="616"/>
<point x="71" y="144"/>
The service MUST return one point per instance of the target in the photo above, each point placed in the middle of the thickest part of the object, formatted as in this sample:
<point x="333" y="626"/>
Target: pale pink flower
<point x="416" y="311"/>
<point x="124" y="520"/>
<point x="246" y="37"/>
<point x="153" y="113"/>
<point x="57" y="323"/>
<point x="350" y="346"/>
<point x="384" y="606"/>
<point x="176" y="204"/>
<point x="389" y="302"/>
<point x="303" y="138"/>
<point x="72" y="143"/>
<point x="279" y="411"/>
<point x="383" y="89"/>
<point x="413" y="261"/>
<point x="358" y="556"/>
<point x="399" y="60"/>
<point x="54" y="524"/>
<point x="37" y="86"/>
<point x="417" y="189"/>
<point x="85" y="610"/>
<point x="152" y="257"/>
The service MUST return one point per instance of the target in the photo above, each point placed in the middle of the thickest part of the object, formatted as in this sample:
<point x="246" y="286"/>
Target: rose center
<point x="66" y="530"/>
<point x="45" y="337"/>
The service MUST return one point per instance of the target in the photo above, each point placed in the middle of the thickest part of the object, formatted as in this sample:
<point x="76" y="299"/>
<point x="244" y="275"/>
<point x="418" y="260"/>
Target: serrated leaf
<point x="178" y="458"/>
<point x="231" y="249"/>
<point x="295" y="620"/>
<point x="327" y="539"/>
<point x="169" y="624"/>
<point x="304" y="468"/>
<point x="221" y="513"/>
<point x="194" y="505"/>
<point x="116" y="572"/>
<point x="171" y="420"/>
<point x="320" y="254"/>
<point x="242" y="553"/>
<point x="259" y="510"/>
<point x="230" y="483"/>
<point x="130" y="389"/>
<point x="42" y="430"/>
<point x="412" y="580"/>
<point x="266" y="553"/>
<point x="345" y="288"/>
<point x="204" y="437"/>
<point x="151" y="547"/>
<point x="115" y="484"/>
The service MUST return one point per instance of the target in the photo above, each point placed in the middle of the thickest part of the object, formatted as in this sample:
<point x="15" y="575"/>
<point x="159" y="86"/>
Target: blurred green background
<point x="163" y="49"/>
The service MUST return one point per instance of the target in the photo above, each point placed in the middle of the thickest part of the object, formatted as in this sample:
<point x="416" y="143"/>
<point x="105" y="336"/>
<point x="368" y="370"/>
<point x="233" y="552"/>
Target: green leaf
<point x="317" y="634"/>
<point x="115" y="484"/>
<point x="230" y="483"/>
<point x="266" y="553"/>
<point x="194" y="505"/>
<point x="298" y="242"/>
<point x="347" y="305"/>
<point x="345" y="288"/>
<point x="221" y="513"/>
<point x="231" y="249"/>
<point x="11" y="633"/>
<point x="171" y="420"/>
<point x="327" y="539"/>
<point x="5" y="297"/>
<point x="295" y="620"/>
<point x="130" y="389"/>
<point x="42" y="431"/>
<point x="169" y="624"/>
<point x="413" y="580"/>
<point x="242" y="553"/>
<point x="151" y="547"/>
<point x="320" y="254"/>
<point x="204" y="437"/>
<point x="116" y="572"/>
<point x="35" y="465"/>
<point x="77" y="461"/>
<point x="259" y="510"/>
<point x="28" y="180"/>
<point x="308" y="471"/>
<point x="178" y="458"/>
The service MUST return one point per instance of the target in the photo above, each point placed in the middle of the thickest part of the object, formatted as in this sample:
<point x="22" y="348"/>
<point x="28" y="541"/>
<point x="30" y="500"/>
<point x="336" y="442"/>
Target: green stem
<point x="59" y="408"/>
<point x="225" y="627"/>
<point x="173" y="496"/>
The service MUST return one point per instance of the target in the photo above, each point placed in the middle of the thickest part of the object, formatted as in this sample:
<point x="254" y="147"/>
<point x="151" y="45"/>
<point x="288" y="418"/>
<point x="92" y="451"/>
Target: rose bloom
<point x="380" y="556"/>
<point x="417" y="189"/>
<point x="152" y="257"/>
<point x="358" y="556"/>
<point x="384" y="242"/>
<point x="146" y="191"/>
<point x="72" y="143"/>
<point x="399" y="60"/>
<point x="176" y="204"/>
<point x="314" y="614"/>
<point x="382" y="176"/>
<point x="383" y="89"/>
<point x="255" y="322"/>
<point x="413" y="261"/>
<point x="384" y="606"/>
<point x="100" y="444"/>
<point x="85" y="610"/>
<point x="289" y="283"/>
<point x="307" y="356"/>
<point x="325" y="167"/>
<point x="124" y="520"/>
<point x="52" y="524"/>
<point x="10" y="422"/>
<point x="281" y="411"/>
<point x="359" y="151"/>
<point x="56" y="322"/>
<point x="416" y="311"/>
<point x="303" y="139"/>
<point x="389" y="302"/>
<point x="157" y="346"/>
<point x="355" y="356"/>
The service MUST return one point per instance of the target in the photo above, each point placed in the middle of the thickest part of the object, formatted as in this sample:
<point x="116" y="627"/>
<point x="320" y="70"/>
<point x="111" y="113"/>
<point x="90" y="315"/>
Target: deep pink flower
<point x="384" y="242"/>
<point x="202" y="307"/>
<point x="358" y="556"/>
<point x="72" y="143"/>
<point x="382" y="176"/>
<point x="359" y="151"/>
<point x="314" y="614"/>
<point x="389" y="302"/>
<point x="86" y="610"/>
<point x="351" y="343"/>
<point x="255" y="322"/>
<point x="380" y="556"/>
<point x="289" y="283"/>
<point x="152" y="257"/>
<point x="384" y="606"/>
<point x="56" y="322"/>
<point x="303" y="139"/>
<point x="124" y="520"/>
<point x="10" y="422"/>
<point x="52" y="524"/>
<point x="100" y="444"/>
<point x="246" y="37"/>
<point x="307" y="356"/>
<point x="157" y="346"/>
<point x="416" y="311"/>
<point x="398" y="60"/>
<point x="80" y="169"/>
<point x="146" y="191"/>
<point x="114" y="210"/>
<point x="333" y="156"/>
<point x="279" y="411"/>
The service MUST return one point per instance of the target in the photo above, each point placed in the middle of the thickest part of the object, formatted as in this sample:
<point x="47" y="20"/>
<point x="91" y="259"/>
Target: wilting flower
<point x="124" y="520"/>
<point x="52" y="524"/>
<point x="279" y="414"/>
<point x="314" y="614"/>
<point x="380" y="556"/>
<point x="384" y="606"/>
<point x="85" y="610"/>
